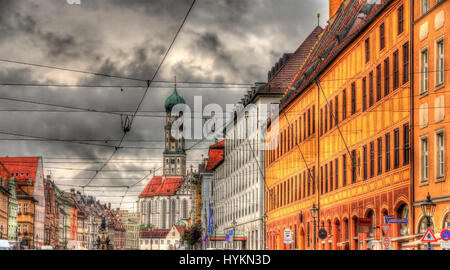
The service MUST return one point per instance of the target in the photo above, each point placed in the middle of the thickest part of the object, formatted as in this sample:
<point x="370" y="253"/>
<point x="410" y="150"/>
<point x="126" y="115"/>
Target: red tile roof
<point x="158" y="187"/>
<point x="215" y="155"/>
<point x="281" y="79"/>
<point x="156" y="233"/>
<point x="180" y="229"/>
<point x="21" y="168"/>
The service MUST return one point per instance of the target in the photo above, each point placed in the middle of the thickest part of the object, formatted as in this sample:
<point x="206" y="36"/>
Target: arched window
<point x="149" y="211"/>
<point x="163" y="214"/>
<point x="403" y="213"/>
<point x="446" y="224"/>
<point x="371" y="215"/>
<point x="184" y="209"/>
<point x="173" y="212"/>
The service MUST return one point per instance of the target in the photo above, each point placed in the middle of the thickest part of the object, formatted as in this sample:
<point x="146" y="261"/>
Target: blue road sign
<point x="231" y="232"/>
<point x="393" y="220"/>
<point x="445" y="235"/>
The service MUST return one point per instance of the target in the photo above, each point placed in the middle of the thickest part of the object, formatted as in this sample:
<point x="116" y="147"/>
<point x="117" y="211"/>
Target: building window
<point x="388" y="151"/>
<point x="353" y="166"/>
<point x="326" y="119"/>
<point x="365" y="162"/>
<point x="405" y="62"/>
<point x="313" y="176"/>
<point x="382" y="37"/>
<point x="371" y="89"/>
<point x="331" y="176"/>
<point x="336" y="168"/>
<point x="378" y="82"/>
<point x="321" y="180"/>
<point x="353" y="98"/>
<point x="424" y="71"/>
<point x="309" y="122"/>
<point x="386" y="77"/>
<point x="331" y="114"/>
<point x="372" y="159"/>
<point x="344" y="104"/>
<point x="400" y="20"/>
<point x="403" y="213"/>
<point x="440" y="155"/>
<point x="344" y="170"/>
<point x="440" y="63"/>
<point x="326" y="178"/>
<point x="25" y="208"/>
<point x="396" y="71"/>
<point x="425" y="6"/>
<point x="364" y="94"/>
<point x="304" y="126"/>
<point x="367" y="45"/>
<point x="336" y="110"/>
<point x="321" y="122"/>
<point x="313" y="120"/>
<point x="424" y="165"/>
<point x="396" y="148"/>
<point x="380" y="156"/>
<point x="406" y="144"/>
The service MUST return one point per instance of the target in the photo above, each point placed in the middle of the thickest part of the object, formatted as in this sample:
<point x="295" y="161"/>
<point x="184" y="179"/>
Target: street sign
<point x="387" y="243"/>
<point x="385" y="228"/>
<point x="398" y="221"/>
<point x="445" y="245"/>
<point x="287" y="236"/>
<point x="227" y="238"/>
<point x="429" y="236"/>
<point x="231" y="232"/>
<point x="445" y="235"/>
<point x="365" y="222"/>
<point x="323" y="234"/>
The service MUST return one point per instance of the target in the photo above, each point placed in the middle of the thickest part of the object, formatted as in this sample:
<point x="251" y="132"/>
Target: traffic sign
<point x="429" y="236"/>
<point x="445" y="235"/>
<point x="287" y="236"/>
<point x="387" y="243"/>
<point x="231" y="232"/>
<point x="323" y="234"/>
<point x="385" y="228"/>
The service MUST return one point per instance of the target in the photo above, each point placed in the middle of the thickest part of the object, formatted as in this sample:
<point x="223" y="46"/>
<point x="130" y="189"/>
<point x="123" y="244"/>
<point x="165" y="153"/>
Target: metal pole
<point x="428" y="226"/>
<point x="314" y="232"/>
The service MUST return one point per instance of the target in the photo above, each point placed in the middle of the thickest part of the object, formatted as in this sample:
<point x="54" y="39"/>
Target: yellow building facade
<point x="343" y="143"/>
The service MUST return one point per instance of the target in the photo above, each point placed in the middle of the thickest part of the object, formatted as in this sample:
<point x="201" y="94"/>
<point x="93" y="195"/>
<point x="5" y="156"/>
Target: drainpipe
<point x="411" y="140"/>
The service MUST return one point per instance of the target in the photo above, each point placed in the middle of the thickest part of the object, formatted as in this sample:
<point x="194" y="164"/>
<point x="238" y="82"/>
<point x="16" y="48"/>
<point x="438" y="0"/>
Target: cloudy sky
<point x="223" y="41"/>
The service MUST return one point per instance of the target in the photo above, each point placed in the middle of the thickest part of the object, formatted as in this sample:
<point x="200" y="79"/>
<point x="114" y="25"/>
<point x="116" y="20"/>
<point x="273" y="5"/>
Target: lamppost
<point x="234" y="224"/>
<point x="215" y="236"/>
<point x="314" y="212"/>
<point x="428" y="208"/>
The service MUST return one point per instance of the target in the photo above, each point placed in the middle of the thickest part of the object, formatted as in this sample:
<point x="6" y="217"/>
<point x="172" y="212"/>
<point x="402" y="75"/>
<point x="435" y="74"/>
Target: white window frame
<point x="440" y="63"/>
<point x="424" y="8"/>
<point x="424" y="70"/>
<point x="424" y="157"/>
<point x="440" y="155"/>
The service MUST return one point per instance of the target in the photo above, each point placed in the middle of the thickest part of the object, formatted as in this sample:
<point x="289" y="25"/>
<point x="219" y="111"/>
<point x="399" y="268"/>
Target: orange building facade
<point x="344" y="135"/>
<point x="431" y="112"/>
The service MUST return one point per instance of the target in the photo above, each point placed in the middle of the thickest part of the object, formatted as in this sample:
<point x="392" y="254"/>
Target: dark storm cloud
<point x="222" y="41"/>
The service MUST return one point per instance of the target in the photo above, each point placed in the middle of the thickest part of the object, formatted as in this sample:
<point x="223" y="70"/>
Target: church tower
<point x="174" y="158"/>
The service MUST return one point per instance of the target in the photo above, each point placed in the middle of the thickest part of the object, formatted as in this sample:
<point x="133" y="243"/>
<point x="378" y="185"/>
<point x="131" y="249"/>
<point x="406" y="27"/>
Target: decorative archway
<point x="336" y="232"/>
<point x="302" y="239"/>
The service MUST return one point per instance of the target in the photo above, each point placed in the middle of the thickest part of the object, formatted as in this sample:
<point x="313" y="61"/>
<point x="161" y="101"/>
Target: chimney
<point x="334" y="6"/>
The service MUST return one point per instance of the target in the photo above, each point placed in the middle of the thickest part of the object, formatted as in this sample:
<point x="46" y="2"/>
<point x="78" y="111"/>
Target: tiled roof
<point x="281" y="79"/>
<point x="156" y="233"/>
<point x="350" y="20"/>
<point x="158" y="187"/>
<point x="21" y="168"/>
<point x="215" y="155"/>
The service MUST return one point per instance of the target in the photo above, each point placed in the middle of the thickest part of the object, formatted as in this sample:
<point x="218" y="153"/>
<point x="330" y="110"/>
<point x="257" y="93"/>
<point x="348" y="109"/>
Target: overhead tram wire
<point x="149" y="82"/>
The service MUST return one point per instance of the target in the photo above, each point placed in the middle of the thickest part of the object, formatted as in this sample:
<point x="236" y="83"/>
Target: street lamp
<point x="234" y="224"/>
<point x="428" y="208"/>
<point x="314" y="212"/>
